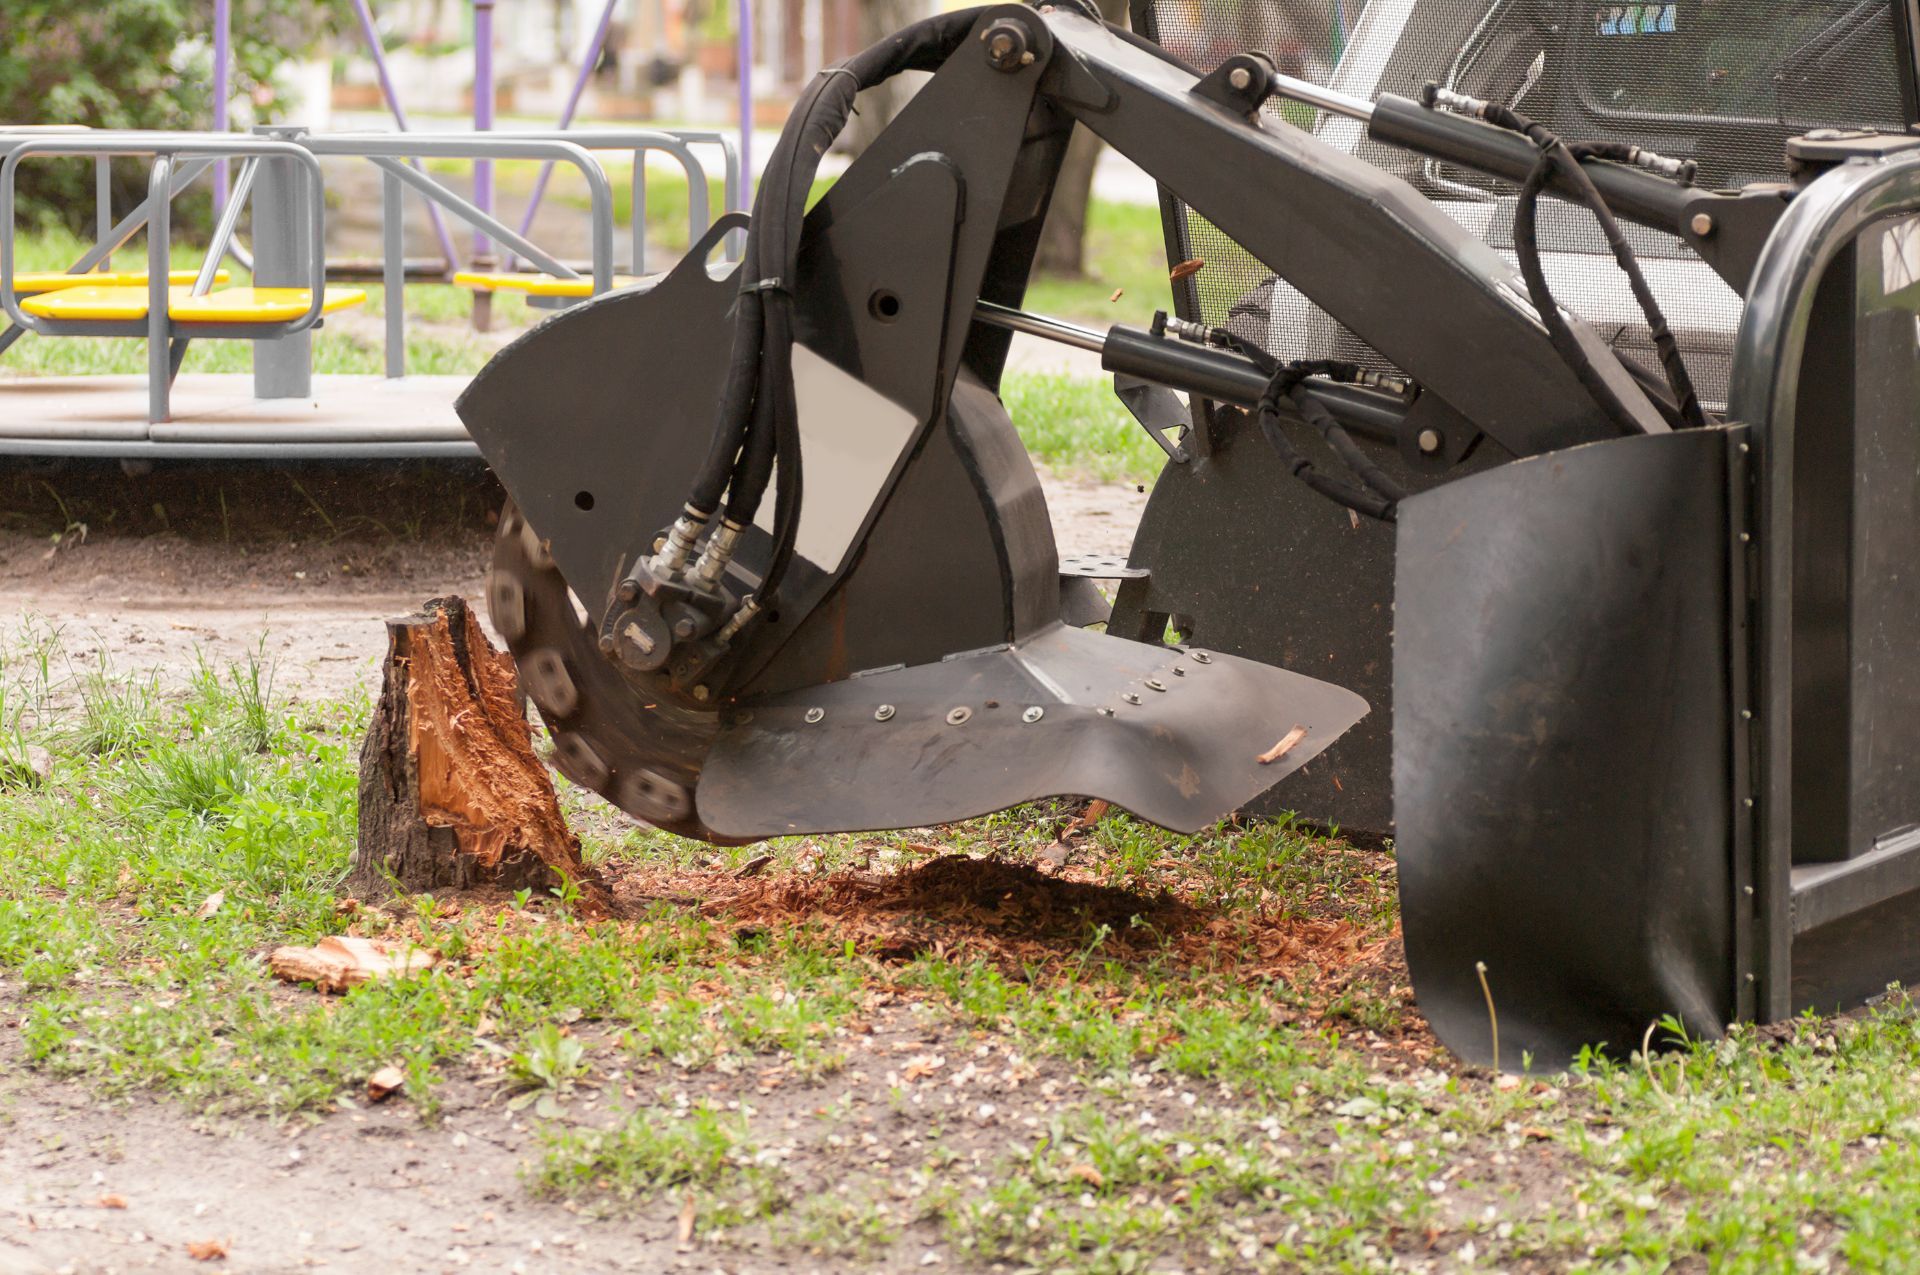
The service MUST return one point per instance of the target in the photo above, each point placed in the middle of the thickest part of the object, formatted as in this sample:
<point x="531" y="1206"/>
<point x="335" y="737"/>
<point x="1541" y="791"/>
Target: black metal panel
<point x="1261" y="567"/>
<point x="1173" y="736"/>
<point x="1561" y="750"/>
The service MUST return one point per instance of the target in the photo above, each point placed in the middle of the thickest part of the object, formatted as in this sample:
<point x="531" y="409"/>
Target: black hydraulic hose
<point x="758" y="425"/>
<point x="1377" y="495"/>
<point x="1557" y="157"/>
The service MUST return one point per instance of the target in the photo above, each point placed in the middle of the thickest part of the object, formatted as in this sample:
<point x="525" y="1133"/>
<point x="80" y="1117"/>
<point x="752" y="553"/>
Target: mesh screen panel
<point x="1722" y="82"/>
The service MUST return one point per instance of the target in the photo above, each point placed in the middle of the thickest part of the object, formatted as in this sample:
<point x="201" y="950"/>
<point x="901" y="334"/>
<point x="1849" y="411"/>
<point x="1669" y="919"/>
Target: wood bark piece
<point x="341" y="961"/>
<point x="452" y="794"/>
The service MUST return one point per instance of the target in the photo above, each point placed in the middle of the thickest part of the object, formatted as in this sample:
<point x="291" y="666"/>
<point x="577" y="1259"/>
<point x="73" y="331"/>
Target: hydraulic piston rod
<point x="1212" y="373"/>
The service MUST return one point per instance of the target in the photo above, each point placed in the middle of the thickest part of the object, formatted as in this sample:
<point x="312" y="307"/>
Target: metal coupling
<point x="1444" y="99"/>
<point x="706" y="573"/>
<point x="681" y="540"/>
<point x="1680" y="170"/>
<point x="1009" y="45"/>
<point x="1388" y="381"/>
<point x="749" y="607"/>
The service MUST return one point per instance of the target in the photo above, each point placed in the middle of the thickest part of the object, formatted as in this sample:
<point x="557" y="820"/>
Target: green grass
<point x="1211" y="1118"/>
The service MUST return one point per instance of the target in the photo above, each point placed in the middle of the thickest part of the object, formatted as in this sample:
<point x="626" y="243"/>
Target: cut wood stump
<point x="452" y="794"/>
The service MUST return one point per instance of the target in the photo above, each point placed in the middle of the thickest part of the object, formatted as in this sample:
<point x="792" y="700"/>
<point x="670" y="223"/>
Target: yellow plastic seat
<point x="534" y="285"/>
<point x="33" y="282"/>
<point x="229" y="305"/>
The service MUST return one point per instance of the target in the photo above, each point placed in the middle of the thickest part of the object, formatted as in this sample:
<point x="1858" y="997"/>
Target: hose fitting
<point x="706" y="573"/>
<point x="681" y="540"/>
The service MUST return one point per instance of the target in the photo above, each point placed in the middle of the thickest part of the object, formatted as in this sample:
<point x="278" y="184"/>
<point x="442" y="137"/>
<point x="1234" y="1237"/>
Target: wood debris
<point x="341" y="961"/>
<point x="1285" y="746"/>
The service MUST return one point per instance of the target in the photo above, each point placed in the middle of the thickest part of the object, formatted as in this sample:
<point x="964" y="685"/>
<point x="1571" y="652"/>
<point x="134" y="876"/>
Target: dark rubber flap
<point x="1561" y="748"/>
<point x="1174" y="736"/>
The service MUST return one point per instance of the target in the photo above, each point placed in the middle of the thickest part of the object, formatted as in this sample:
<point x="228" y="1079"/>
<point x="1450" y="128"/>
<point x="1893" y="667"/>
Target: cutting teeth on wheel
<point x="507" y="605"/>
<point x="580" y="761"/>
<point x="550" y="683"/>
<point x="539" y="553"/>
<point x="653" y="797"/>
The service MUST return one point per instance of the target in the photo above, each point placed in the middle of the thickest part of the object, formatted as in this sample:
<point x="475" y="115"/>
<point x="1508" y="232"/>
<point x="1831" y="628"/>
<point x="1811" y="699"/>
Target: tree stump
<point x="452" y="795"/>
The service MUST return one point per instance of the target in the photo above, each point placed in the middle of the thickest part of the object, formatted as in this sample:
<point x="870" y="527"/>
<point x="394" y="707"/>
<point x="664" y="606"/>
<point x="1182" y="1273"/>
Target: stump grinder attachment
<point x="1644" y="673"/>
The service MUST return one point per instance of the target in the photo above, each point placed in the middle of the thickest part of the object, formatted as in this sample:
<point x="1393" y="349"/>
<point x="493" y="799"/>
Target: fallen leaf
<point x="338" y="962"/>
<point x="113" y="1201"/>
<point x="1186" y="268"/>
<point x="921" y="1068"/>
<point x="1087" y="1174"/>
<point x="755" y="866"/>
<point x="1281" y="749"/>
<point x="211" y="905"/>
<point x="207" y="1250"/>
<point x="347" y="906"/>
<point x="385" y="1083"/>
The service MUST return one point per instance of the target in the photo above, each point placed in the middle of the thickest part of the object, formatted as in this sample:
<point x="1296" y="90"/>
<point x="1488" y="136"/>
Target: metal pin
<point x="884" y="713"/>
<point x="1178" y="671"/>
<point x="815" y="714"/>
<point x="959" y="715"/>
<point x="1130" y="697"/>
<point x="1156" y="685"/>
<point x="1033" y="714"/>
<point x="1200" y="657"/>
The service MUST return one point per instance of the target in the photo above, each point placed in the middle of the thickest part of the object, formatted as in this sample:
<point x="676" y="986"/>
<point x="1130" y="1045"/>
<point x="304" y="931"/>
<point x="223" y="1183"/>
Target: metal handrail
<point x="386" y="149"/>
<point x="171" y="147"/>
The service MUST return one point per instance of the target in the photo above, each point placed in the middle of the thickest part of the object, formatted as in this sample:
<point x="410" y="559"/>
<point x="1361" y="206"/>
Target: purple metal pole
<point x="400" y="118"/>
<point x="482" y="113"/>
<point x="587" y="64"/>
<point x="222" y="89"/>
<point x="746" y="103"/>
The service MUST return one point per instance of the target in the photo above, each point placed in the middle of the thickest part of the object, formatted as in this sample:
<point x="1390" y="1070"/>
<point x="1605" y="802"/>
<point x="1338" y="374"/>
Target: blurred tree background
<point x="137" y="64"/>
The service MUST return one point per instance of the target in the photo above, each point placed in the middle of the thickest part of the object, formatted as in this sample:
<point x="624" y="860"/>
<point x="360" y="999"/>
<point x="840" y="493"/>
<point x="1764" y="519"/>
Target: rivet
<point x="1178" y="671"/>
<point x="1130" y="697"/>
<point x="1744" y="449"/>
<point x="1201" y="657"/>
<point x="1746" y="714"/>
<point x="1744" y="537"/>
<point x="1106" y="712"/>
<point x="700" y="693"/>
<point x="816" y="714"/>
<point x="1239" y="78"/>
<point x="1033" y="714"/>
<point x="1702" y="224"/>
<point x="1748" y="803"/>
<point x="884" y="713"/>
<point x="1750" y="978"/>
<point x="959" y="715"/>
<point x="1749" y="890"/>
<point x="1430" y="441"/>
<point x="1154" y="684"/>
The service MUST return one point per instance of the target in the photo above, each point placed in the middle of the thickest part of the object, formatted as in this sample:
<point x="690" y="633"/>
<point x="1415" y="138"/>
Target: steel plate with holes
<point x="1174" y="736"/>
<point x="1098" y="566"/>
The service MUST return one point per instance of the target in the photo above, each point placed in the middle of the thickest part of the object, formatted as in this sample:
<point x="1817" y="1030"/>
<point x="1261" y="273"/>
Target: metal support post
<point x="393" y="211"/>
<point x="159" y="232"/>
<point x="482" y="169"/>
<point x="282" y="366"/>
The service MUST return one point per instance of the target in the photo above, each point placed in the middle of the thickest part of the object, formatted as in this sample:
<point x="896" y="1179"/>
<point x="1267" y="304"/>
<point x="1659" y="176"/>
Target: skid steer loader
<point x="1611" y="625"/>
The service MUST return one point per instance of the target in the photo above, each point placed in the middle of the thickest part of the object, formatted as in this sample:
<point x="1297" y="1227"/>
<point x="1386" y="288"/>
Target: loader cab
<point x="1722" y="82"/>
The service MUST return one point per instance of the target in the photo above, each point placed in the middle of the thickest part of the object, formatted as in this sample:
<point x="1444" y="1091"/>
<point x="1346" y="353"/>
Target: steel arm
<point x="1362" y="244"/>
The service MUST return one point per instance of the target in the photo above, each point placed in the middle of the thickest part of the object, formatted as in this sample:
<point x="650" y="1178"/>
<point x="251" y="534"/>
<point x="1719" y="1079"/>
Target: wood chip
<point x="113" y="1201"/>
<point x="385" y="1083"/>
<point x="207" y="1250"/>
<point x="340" y="961"/>
<point x="755" y="866"/>
<point x="1281" y="749"/>
<point x="1185" y="269"/>
<point x="1117" y="294"/>
<point x="1087" y="1174"/>
<point x="687" y="1215"/>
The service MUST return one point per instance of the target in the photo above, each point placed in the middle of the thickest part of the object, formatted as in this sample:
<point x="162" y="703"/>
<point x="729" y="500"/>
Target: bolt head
<point x="815" y="714"/>
<point x="1033" y="714"/>
<point x="1240" y="78"/>
<point x="959" y="715"/>
<point x="1702" y="224"/>
<point x="884" y="713"/>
